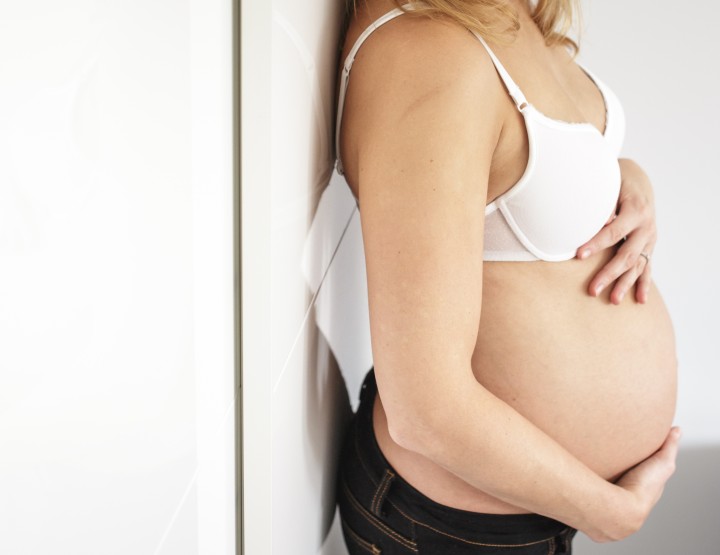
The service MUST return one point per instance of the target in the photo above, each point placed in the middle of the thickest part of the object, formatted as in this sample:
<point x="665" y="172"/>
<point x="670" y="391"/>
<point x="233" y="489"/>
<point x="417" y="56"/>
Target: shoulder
<point x="412" y="61"/>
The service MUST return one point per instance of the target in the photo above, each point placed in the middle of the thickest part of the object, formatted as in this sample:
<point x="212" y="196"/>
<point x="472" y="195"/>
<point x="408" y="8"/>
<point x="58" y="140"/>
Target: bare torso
<point x="599" y="378"/>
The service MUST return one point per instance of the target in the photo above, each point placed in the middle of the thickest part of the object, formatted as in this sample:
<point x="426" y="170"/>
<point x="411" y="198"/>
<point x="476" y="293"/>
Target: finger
<point x="667" y="454"/>
<point x="669" y="449"/>
<point x="626" y="281"/>
<point x="659" y="466"/>
<point x="673" y="437"/>
<point x="642" y="289"/>
<point x="611" y="234"/>
<point x="625" y="258"/>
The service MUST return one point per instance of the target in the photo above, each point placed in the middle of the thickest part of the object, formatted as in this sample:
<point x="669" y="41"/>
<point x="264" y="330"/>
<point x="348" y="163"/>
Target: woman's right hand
<point x="644" y="484"/>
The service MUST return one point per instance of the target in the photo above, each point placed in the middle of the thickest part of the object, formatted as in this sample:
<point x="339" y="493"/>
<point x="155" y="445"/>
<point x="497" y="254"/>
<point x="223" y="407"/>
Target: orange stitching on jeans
<point x="381" y="491"/>
<point x="463" y="539"/>
<point x="551" y="546"/>
<point x="391" y="475"/>
<point x="361" y="541"/>
<point x="410" y="544"/>
<point x="402" y="540"/>
<point x="377" y="490"/>
<point x="367" y="470"/>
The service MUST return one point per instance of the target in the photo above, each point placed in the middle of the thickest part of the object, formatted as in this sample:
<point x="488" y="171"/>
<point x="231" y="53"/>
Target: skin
<point x="455" y="388"/>
<point x="636" y="221"/>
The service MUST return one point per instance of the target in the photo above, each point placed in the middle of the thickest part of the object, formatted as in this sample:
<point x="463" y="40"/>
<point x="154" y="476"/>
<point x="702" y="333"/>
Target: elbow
<point x="415" y="434"/>
<point x="428" y="420"/>
<point x="402" y="436"/>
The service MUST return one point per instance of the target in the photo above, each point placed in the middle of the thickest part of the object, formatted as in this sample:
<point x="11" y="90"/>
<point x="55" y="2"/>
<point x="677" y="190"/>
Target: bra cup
<point x="570" y="194"/>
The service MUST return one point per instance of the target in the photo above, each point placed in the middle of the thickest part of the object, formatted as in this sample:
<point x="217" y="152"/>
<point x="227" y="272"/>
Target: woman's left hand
<point x="634" y="226"/>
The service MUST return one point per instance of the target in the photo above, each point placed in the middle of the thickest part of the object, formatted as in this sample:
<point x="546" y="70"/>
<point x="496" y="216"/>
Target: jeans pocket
<point x="353" y="539"/>
<point x="432" y="540"/>
<point x="366" y="530"/>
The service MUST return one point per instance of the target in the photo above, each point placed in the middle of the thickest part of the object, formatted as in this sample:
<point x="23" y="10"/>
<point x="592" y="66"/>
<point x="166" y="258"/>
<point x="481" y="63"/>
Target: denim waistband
<point x="498" y="528"/>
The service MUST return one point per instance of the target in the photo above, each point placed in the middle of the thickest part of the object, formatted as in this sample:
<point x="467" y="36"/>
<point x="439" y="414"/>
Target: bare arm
<point x="432" y="115"/>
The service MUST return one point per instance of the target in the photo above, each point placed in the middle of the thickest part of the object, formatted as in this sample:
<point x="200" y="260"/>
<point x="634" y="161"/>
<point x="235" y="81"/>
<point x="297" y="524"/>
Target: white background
<point x="117" y="338"/>
<point x="294" y="399"/>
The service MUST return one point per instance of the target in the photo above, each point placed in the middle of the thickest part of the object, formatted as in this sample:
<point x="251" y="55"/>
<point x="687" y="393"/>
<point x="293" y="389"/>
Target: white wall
<point x="117" y="338"/>
<point x="294" y="400"/>
<point x="316" y="334"/>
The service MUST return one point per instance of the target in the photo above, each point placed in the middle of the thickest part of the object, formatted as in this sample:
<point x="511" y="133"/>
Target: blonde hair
<point x="497" y="21"/>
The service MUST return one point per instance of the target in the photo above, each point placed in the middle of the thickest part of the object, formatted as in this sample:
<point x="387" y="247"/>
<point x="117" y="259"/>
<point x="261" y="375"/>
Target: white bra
<point x="571" y="183"/>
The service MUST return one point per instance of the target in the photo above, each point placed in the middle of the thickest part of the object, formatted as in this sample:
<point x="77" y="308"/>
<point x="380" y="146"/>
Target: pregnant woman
<point x="518" y="394"/>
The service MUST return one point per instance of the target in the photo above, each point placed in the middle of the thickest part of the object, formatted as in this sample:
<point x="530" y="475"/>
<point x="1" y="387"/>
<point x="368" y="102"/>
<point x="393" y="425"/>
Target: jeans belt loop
<point x="381" y="493"/>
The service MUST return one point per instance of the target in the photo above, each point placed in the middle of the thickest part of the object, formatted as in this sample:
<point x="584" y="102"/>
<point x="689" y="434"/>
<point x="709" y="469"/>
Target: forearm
<point x="494" y="448"/>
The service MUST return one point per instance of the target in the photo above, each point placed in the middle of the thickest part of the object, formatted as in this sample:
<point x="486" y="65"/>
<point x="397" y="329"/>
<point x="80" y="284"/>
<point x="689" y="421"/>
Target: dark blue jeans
<point x="381" y="513"/>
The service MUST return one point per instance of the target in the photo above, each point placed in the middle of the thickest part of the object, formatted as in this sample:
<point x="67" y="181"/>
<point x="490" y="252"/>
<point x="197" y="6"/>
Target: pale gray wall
<point x="661" y="59"/>
<point x="662" y="62"/>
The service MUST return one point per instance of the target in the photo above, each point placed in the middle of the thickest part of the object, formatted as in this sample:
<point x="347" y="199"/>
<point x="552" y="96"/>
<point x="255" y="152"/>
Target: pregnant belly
<point x="598" y="378"/>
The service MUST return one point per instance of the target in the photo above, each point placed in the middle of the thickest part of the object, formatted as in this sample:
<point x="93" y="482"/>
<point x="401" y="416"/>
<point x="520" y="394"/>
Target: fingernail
<point x="585" y="253"/>
<point x="621" y="295"/>
<point x="599" y="287"/>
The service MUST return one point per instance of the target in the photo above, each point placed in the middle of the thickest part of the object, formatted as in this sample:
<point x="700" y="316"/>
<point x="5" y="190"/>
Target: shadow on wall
<point x="314" y="277"/>
<point x="687" y="519"/>
<point x="338" y="353"/>
<point x="328" y="413"/>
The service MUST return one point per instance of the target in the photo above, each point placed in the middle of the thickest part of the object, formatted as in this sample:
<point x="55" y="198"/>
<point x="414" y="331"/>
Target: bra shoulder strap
<point x="379" y="22"/>
<point x="348" y="65"/>
<point x="512" y="88"/>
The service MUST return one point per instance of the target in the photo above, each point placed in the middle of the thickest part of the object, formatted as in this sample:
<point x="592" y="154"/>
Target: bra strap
<point x="512" y="88"/>
<point x="348" y="65"/>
